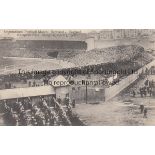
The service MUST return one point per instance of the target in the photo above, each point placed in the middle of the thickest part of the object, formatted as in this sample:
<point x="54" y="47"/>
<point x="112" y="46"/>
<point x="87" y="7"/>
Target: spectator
<point x="73" y="103"/>
<point x="141" y="108"/>
<point x="145" y="113"/>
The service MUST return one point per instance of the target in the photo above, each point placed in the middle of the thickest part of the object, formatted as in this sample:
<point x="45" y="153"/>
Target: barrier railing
<point x="124" y="83"/>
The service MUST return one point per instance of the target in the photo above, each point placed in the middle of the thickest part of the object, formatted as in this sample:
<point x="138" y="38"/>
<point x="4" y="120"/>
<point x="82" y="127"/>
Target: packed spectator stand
<point x="53" y="112"/>
<point x="108" y="55"/>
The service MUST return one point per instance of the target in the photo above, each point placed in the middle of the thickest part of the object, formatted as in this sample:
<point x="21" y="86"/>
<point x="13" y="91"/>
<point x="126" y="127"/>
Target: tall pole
<point x="86" y="93"/>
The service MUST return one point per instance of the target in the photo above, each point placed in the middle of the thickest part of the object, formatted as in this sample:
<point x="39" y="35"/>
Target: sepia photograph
<point x="77" y="77"/>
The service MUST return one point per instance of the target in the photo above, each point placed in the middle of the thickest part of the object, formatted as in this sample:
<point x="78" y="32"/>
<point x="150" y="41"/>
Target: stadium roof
<point x="26" y="92"/>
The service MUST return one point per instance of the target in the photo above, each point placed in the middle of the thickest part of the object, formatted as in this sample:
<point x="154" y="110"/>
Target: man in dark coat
<point x="141" y="108"/>
<point x="145" y="113"/>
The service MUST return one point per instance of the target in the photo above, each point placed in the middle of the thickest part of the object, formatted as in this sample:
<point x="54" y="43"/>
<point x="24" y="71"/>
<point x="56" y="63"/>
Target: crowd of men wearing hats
<point x="42" y="114"/>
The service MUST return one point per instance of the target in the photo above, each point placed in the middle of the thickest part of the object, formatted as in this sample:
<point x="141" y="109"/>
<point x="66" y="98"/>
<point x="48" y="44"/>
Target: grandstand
<point x="74" y="52"/>
<point x="20" y="107"/>
<point x="40" y="48"/>
<point x="107" y="55"/>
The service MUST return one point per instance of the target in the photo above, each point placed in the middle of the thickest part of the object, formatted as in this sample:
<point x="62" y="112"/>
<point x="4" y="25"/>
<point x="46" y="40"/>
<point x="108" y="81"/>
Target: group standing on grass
<point x="145" y="90"/>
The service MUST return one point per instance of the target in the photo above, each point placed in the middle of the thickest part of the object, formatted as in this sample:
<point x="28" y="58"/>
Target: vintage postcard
<point x="78" y="77"/>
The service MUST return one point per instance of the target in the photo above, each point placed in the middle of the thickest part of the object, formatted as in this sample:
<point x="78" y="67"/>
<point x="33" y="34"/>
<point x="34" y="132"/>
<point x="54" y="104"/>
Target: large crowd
<point x="43" y="113"/>
<point x="108" y="55"/>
